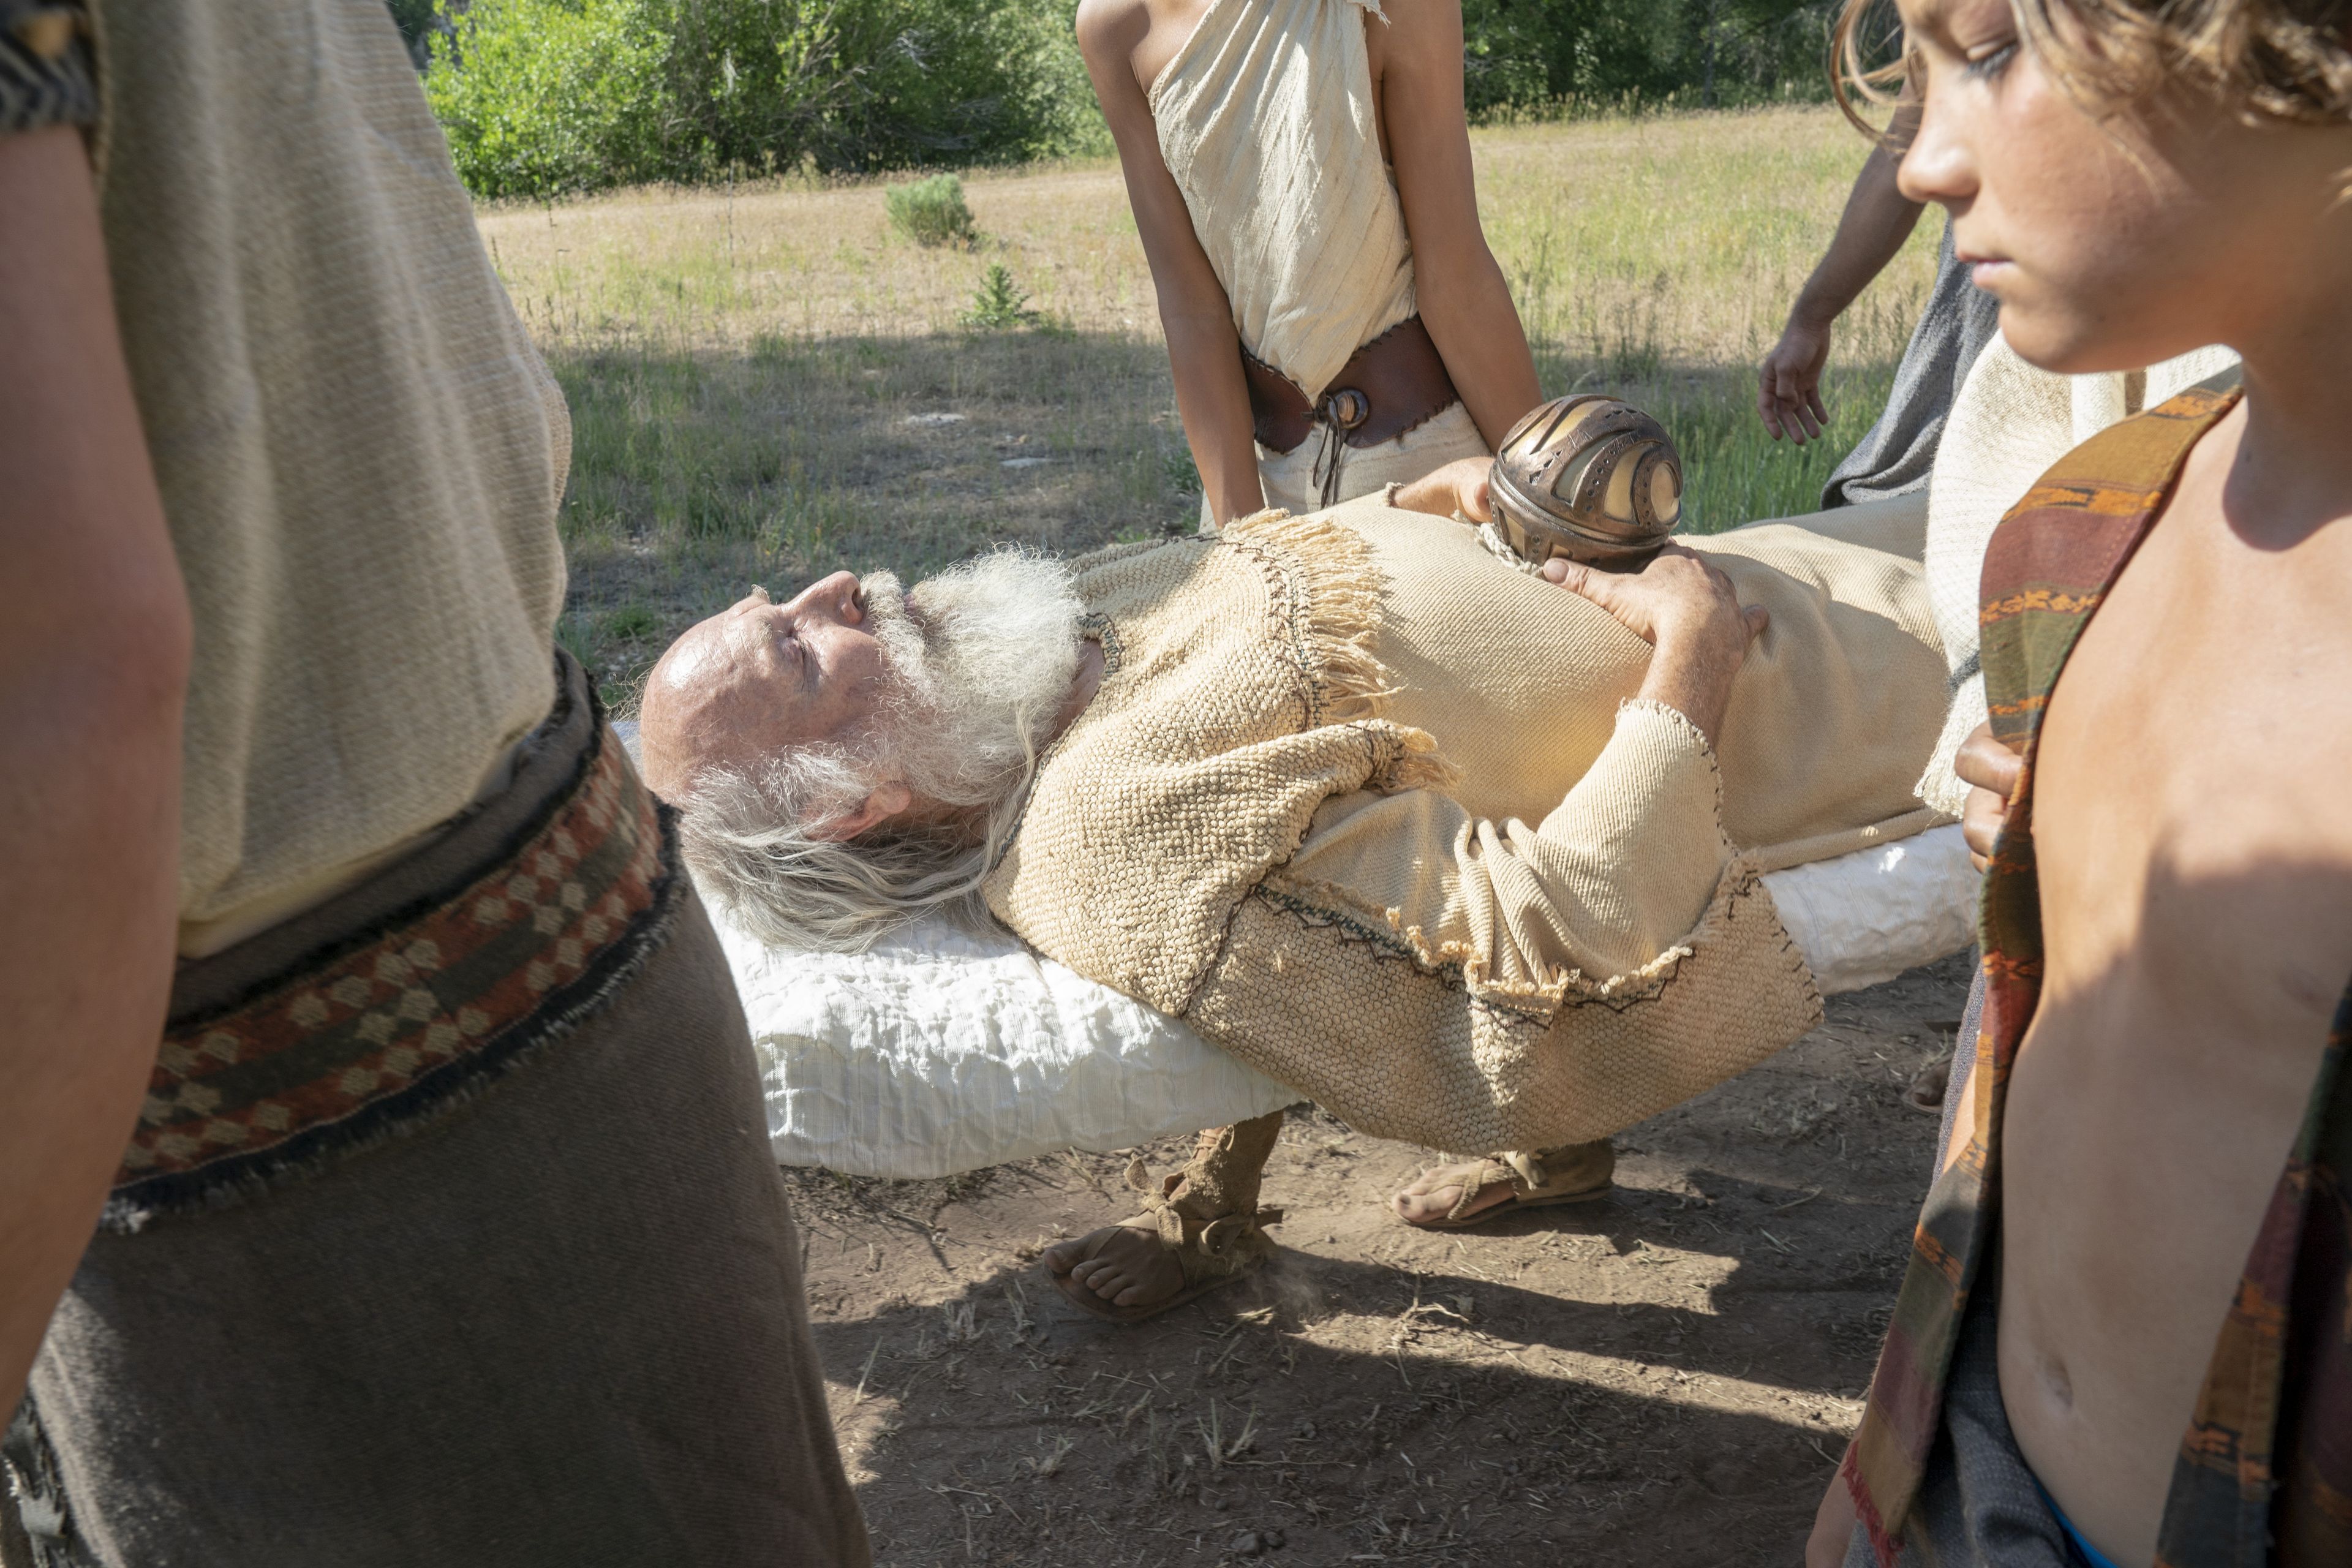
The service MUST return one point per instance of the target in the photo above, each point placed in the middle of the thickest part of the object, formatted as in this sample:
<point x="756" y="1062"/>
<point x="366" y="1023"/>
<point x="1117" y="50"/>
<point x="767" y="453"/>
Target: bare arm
<point x="93" y="662"/>
<point x="1205" y="352"/>
<point x="1464" y="301"/>
<point x="1877" y="219"/>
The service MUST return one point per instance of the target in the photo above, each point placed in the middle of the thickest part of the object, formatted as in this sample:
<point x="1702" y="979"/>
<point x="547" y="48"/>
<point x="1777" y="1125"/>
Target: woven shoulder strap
<point x="2061" y="548"/>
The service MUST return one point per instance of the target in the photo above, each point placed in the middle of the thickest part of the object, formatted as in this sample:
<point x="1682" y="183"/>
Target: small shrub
<point x="931" y="211"/>
<point x="996" y="304"/>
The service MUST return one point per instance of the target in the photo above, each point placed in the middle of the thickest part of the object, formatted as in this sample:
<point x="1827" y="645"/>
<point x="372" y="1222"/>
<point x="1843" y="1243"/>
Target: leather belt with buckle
<point x="1389" y="386"/>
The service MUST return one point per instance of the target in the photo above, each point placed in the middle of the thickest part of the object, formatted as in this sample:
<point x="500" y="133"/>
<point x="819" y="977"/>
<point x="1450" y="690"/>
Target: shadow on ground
<point x="1661" y="1377"/>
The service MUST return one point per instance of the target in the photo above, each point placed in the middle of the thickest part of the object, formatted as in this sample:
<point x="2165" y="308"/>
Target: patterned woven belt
<point x="376" y="1027"/>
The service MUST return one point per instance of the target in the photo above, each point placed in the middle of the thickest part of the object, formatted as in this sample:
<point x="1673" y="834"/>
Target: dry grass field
<point x="768" y="382"/>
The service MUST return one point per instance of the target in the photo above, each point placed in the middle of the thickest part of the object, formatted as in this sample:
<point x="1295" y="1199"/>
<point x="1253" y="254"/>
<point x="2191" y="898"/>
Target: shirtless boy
<point x="2123" y="1333"/>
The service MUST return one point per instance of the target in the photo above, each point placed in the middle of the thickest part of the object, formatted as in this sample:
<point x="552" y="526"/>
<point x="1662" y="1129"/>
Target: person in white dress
<point x="1300" y="175"/>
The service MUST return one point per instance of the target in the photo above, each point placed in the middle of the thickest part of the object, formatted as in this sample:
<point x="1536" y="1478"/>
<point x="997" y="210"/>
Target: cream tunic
<point x="1587" y="832"/>
<point x="1266" y="122"/>
<point x="359" y="452"/>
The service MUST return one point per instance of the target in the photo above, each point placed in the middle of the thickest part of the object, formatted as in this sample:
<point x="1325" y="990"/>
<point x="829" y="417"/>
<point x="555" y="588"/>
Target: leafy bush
<point x="541" y="96"/>
<point x="1522" y="56"/>
<point x="553" y="95"/>
<point x="931" y="211"/>
<point x="545" y="96"/>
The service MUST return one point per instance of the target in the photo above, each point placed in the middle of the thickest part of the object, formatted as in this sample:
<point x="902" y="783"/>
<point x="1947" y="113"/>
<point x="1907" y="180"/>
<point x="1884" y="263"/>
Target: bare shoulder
<point x="1109" y="30"/>
<point x="1420" y="36"/>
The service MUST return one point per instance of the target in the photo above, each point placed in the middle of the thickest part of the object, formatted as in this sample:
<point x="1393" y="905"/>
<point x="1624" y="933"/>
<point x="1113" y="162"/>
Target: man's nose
<point x="833" y="598"/>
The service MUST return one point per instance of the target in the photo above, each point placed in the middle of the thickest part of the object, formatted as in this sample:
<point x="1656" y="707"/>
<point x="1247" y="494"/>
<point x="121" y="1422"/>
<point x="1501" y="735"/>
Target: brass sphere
<point x="1589" y="478"/>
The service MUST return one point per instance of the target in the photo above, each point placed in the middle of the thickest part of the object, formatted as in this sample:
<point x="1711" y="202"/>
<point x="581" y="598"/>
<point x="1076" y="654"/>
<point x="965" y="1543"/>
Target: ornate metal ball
<point x="1589" y="478"/>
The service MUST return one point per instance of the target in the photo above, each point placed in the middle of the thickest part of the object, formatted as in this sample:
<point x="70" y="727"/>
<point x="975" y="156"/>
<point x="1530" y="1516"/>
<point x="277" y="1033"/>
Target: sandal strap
<point x="1489" y="1173"/>
<point x="1524" y="1166"/>
<point x="1211" y="1249"/>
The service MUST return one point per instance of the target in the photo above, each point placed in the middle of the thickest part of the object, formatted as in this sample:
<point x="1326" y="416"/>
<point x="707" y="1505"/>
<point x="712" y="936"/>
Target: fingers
<point x="1797" y="391"/>
<point x="1785" y="403"/>
<point x="1758" y="618"/>
<point x="1768" y="407"/>
<point x="1980" y="823"/>
<point x="1986" y="763"/>
<point x="1478" y="501"/>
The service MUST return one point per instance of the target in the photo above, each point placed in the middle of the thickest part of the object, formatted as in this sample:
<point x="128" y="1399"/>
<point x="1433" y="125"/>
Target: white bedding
<point x="945" y="1049"/>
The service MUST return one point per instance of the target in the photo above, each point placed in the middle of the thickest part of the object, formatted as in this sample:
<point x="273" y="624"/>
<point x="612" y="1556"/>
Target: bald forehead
<point x="678" y="731"/>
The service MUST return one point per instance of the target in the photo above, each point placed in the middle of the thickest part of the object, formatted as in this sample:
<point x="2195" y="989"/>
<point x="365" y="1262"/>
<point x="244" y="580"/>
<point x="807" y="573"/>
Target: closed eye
<point x="1990" y="65"/>
<point x="798" y="652"/>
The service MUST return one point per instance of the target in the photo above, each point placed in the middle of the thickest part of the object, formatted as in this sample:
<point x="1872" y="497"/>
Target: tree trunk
<point x="1706" y="50"/>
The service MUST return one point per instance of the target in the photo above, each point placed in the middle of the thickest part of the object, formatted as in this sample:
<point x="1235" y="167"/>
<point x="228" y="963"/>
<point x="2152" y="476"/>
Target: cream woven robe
<point x="374" y="632"/>
<point x="1266" y="122"/>
<point x="1584" y="831"/>
<point x="1371" y="809"/>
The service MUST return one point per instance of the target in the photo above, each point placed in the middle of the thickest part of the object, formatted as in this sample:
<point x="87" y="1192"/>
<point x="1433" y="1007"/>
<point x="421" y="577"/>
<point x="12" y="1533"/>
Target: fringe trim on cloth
<point x="379" y="1034"/>
<point x="1324" y="904"/>
<point x="1244" y="693"/>
<point x="1327" y="602"/>
<point x="1348" y="1013"/>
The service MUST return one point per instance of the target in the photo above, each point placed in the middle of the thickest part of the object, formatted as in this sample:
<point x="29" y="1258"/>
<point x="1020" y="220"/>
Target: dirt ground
<point x="1664" y="1376"/>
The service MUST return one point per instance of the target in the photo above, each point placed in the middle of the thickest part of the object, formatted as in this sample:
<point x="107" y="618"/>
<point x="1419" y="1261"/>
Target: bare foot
<point x="1432" y="1195"/>
<point x="1124" y="1266"/>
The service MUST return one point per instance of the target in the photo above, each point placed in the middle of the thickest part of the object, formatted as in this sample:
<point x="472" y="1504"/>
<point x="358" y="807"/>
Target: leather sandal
<point x="1575" y="1174"/>
<point x="1211" y="1253"/>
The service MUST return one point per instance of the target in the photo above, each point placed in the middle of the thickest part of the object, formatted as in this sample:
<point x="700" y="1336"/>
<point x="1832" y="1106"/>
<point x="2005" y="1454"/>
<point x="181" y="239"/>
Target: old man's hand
<point x="1689" y="611"/>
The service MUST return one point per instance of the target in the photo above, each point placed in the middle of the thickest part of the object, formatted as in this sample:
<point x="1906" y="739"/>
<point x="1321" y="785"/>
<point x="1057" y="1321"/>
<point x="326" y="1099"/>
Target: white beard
<point x="984" y="654"/>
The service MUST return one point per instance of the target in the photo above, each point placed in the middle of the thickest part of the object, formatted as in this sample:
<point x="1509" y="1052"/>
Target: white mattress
<point x="945" y="1049"/>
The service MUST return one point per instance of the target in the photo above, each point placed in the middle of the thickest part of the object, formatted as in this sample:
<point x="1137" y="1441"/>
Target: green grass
<point x="750" y="370"/>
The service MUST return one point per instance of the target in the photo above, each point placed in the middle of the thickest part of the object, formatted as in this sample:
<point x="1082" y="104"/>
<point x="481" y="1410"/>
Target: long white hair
<point x="981" y="666"/>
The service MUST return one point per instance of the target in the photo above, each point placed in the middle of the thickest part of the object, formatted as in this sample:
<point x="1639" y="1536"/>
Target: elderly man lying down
<point x="1468" y="854"/>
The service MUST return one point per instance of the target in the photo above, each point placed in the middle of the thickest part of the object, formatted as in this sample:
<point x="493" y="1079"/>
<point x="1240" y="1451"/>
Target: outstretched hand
<point x="1788" y="391"/>
<point x="1683" y="606"/>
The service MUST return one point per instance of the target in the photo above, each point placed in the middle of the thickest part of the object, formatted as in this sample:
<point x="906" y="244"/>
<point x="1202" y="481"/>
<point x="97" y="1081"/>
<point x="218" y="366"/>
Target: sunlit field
<point x="768" y="382"/>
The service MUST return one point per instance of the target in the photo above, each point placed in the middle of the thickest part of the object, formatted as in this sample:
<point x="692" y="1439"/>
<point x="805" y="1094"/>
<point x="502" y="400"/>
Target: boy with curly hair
<point x="2124" y="1336"/>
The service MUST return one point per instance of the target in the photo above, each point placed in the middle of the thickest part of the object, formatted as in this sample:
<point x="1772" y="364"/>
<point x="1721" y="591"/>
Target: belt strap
<point x="399" y="997"/>
<point x="1392" y="384"/>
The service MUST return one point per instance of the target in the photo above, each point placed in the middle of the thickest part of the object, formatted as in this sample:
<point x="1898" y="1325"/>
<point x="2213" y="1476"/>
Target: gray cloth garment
<point x="1979" y="1504"/>
<point x="558" y="1325"/>
<point x="1897" y="455"/>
